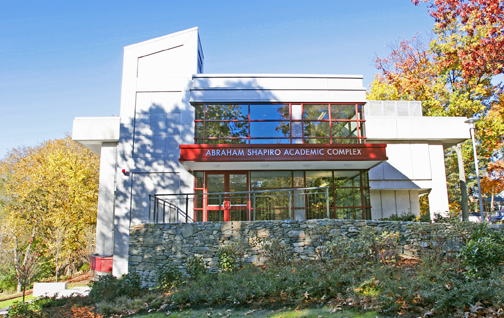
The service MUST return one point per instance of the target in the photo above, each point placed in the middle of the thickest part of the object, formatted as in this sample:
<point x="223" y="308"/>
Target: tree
<point x="451" y="77"/>
<point x="51" y="187"/>
<point x="493" y="182"/>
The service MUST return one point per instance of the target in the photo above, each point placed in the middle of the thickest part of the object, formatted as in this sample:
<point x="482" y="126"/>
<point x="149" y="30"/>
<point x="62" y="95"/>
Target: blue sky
<point x="63" y="59"/>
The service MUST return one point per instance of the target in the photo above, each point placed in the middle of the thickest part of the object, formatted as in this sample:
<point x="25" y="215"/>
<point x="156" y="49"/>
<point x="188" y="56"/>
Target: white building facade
<point x="182" y="131"/>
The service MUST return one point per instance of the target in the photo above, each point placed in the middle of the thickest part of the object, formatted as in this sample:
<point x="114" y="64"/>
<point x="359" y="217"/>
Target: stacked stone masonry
<point x="154" y="245"/>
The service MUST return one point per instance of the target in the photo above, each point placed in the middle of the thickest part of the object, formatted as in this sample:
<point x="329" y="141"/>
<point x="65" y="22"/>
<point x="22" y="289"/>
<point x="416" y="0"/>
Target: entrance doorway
<point x="228" y="207"/>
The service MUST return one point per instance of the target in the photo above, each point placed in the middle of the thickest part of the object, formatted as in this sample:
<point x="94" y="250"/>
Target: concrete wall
<point x="277" y="88"/>
<point x="415" y="151"/>
<point x="156" y="117"/>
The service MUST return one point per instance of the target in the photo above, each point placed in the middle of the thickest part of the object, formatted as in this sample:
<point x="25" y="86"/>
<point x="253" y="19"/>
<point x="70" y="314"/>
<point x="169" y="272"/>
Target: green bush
<point x="228" y="258"/>
<point x="195" y="266"/>
<point x="274" y="249"/>
<point x="8" y="280"/>
<point x="129" y="285"/>
<point x="169" y="276"/>
<point x="482" y="255"/>
<point x="104" y="289"/>
<point x="24" y="310"/>
<point x="85" y="267"/>
<point x="108" y="287"/>
<point x="403" y="217"/>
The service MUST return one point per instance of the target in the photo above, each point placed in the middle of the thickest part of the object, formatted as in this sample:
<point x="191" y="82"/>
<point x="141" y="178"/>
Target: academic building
<point x="196" y="147"/>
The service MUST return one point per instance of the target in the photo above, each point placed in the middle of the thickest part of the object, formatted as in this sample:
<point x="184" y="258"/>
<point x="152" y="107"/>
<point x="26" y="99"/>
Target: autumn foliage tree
<point x="493" y="182"/>
<point x="455" y="74"/>
<point x="52" y="188"/>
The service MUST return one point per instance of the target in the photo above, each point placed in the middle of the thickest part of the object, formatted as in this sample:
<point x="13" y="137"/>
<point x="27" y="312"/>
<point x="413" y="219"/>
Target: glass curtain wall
<point x="279" y="123"/>
<point x="348" y="195"/>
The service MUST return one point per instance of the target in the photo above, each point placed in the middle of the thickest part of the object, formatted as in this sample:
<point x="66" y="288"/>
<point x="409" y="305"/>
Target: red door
<point x="226" y="207"/>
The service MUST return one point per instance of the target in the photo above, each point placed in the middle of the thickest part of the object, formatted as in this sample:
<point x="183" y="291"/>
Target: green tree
<point x="52" y="188"/>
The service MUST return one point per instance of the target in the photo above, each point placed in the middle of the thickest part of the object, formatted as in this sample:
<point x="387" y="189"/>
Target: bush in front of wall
<point x="195" y="266"/>
<point x="169" y="276"/>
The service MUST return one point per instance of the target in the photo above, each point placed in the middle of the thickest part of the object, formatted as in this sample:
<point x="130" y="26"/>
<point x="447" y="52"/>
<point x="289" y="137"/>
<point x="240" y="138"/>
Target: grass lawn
<point x="281" y="313"/>
<point x="10" y="302"/>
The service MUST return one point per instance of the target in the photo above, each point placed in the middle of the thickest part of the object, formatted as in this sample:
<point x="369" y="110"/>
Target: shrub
<point x="108" y="287"/>
<point x="24" y="310"/>
<point x="129" y="285"/>
<point x="169" y="276"/>
<point x="228" y="260"/>
<point x="85" y="267"/>
<point x="403" y="217"/>
<point x="8" y="280"/>
<point x="104" y="289"/>
<point x="195" y="266"/>
<point x="482" y="255"/>
<point x="274" y="249"/>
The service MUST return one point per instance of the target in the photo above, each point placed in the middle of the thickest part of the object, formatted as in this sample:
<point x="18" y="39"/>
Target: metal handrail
<point x="183" y="216"/>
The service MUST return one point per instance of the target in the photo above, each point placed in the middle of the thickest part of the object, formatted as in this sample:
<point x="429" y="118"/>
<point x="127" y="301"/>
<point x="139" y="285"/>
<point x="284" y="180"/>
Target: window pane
<point x="225" y="141"/>
<point x="271" y="179"/>
<point x="269" y="141"/>
<point x="270" y="129"/>
<point x="296" y="112"/>
<point x="343" y="112"/>
<point x="297" y="129"/>
<point x="318" y="178"/>
<point x="348" y="197"/>
<point x="349" y="178"/>
<point x="317" y="112"/>
<point x="198" y="200"/>
<point x="199" y="111"/>
<point x="344" y="128"/>
<point x="316" y="129"/>
<point x="345" y="141"/>
<point x="226" y="129"/>
<point x="299" y="179"/>
<point x="362" y="132"/>
<point x="317" y="141"/>
<point x="229" y="112"/>
<point x="268" y="112"/>
<point x="199" y="179"/>
<point x="199" y="130"/>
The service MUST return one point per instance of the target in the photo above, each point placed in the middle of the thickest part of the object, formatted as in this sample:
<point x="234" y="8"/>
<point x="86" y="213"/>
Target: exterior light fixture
<point x="347" y="164"/>
<point x="307" y="165"/>
<point x="264" y="165"/>
<point x="471" y="122"/>
<point x="215" y="166"/>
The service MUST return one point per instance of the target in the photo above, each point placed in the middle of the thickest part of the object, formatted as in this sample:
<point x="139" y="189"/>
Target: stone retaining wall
<point x="152" y="245"/>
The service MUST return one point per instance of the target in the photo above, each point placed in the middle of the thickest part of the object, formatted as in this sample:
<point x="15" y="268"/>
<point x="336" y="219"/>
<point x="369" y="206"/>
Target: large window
<point x="348" y="190"/>
<point x="279" y="123"/>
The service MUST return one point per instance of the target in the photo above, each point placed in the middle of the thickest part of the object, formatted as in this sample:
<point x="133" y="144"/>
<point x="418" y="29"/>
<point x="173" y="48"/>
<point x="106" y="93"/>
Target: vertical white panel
<point x="421" y="161"/>
<point x="403" y="202"/>
<point x="398" y="167"/>
<point x="415" y="203"/>
<point x="376" y="204"/>
<point x="388" y="203"/>
<point x="438" y="197"/>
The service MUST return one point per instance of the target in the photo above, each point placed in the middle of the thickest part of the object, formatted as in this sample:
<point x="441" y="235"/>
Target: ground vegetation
<point x="459" y="275"/>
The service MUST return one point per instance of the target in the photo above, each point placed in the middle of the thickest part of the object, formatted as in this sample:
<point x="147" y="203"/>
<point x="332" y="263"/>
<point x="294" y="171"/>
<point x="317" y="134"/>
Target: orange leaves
<point x="480" y="26"/>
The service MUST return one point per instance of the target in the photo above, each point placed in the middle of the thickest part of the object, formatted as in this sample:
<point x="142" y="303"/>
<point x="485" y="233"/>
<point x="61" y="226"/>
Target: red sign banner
<point x="284" y="152"/>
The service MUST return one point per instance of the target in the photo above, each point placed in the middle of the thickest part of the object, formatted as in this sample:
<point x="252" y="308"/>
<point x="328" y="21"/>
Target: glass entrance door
<point x="229" y="207"/>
